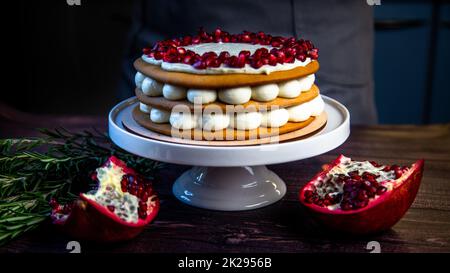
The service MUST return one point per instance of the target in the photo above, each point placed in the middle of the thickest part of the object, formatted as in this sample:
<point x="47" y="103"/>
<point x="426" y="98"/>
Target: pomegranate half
<point x="361" y="197"/>
<point x="119" y="209"/>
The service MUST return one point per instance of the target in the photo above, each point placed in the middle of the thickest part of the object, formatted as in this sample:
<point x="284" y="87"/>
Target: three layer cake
<point x="216" y="86"/>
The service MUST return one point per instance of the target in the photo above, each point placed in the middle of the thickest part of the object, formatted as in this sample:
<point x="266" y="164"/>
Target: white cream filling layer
<point x="144" y="107"/>
<point x="172" y="92"/>
<point x="305" y="110"/>
<point x="275" y="118"/>
<point x="202" y="96"/>
<point x="159" y="116"/>
<point x="233" y="49"/>
<point x="237" y="95"/>
<point x="151" y="87"/>
<point x="240" y="121"/>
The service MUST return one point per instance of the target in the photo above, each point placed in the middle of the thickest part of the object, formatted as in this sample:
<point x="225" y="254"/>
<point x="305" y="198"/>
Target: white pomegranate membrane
<point x="352" y="185"/>
<point x="127" y="195"/>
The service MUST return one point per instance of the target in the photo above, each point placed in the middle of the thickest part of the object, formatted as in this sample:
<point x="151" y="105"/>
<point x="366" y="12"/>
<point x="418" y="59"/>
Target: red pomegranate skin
<point x="380" y="215"/>
<point x="90" y="221"/>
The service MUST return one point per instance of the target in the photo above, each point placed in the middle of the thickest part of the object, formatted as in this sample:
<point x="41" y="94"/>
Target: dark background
<point x="67" y="59"/>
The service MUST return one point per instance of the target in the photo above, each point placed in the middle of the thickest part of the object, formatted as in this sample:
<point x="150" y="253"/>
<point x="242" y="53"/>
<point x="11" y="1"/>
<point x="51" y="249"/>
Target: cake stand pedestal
<point x="230" y="178"/>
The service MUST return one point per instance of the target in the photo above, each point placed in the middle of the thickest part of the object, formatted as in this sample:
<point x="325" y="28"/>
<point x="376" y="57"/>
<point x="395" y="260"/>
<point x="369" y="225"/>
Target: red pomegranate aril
<point x="53" y="203"/>
<point x="380" y="190"/>
<point x="362" y="195"/>
<point x="272" y="60"/>
<point x="308" y="193"/>
<point x="314" y="53"/>
<point x="289" y="59"/>
<point x="244" y="53"/>
<point x="188" y="59"/>
<point x="199" y="65"/>
<point x="111" y="208"/>
<point x="281" y="57"/>
<point x="301" y="57"/>
<point x="142" y="213"/>
<point x="211" y="61"/>
<point x="241" y="60"/>
<point x="159" y="55"/>
<point x="186" y="40"/>
<point x="224" y="55"/>
<point x="245" y="38"/>
<point x="195" y="40"/>
<point x="309" y="44"/>
<point x="257" y="64"/>
<point x="209" y="54"/>
<point x="146" y="50"/>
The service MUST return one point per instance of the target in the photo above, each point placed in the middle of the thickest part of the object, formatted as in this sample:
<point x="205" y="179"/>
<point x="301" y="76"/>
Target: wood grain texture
<point x="284" y="226"/>
<point x="165" y="104"/>
<point x="218" y="81"/>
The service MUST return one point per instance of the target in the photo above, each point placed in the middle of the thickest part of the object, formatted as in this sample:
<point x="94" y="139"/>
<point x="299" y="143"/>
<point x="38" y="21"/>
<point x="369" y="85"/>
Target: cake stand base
<point x="229" y="188"/>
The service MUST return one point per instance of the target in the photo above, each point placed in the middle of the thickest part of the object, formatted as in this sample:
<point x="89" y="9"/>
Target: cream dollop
<point x="182" y="120"/>
<point x="300" y="112"/>
<point x="246" y="121"/>
<point x="203" y="96"/>
<point x="306" y="82"/>
<point x="266" y="92"/>
<point x="144" y="107"/>
<point x="172" y="92"/>
<point x="138" y="79"/>
<point x="237" y="95"/>
<point x="151" y="87"/>
<point x="159" y="115"/>
<point x="213" y="121"/>
<point x="289" y="89"/>
<point x="317" y="106"/>
<point x="305" y="110"/>
<point x="275" y="118"/>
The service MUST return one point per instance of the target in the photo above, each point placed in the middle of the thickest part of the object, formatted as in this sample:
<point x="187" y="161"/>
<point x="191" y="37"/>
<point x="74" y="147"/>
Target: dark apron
<point x="342" y="30"/>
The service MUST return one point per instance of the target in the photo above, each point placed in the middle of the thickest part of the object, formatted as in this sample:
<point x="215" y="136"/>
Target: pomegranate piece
<point x="119" y="209"/>
<point x="361" y="197"/>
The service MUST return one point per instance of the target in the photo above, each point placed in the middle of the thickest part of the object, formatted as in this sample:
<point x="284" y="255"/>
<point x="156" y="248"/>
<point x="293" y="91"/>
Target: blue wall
<point x="412" y="61"/>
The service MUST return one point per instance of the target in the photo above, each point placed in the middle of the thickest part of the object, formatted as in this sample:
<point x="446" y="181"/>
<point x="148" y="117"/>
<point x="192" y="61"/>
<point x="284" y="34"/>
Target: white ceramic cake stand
<point x="230" y="178"/>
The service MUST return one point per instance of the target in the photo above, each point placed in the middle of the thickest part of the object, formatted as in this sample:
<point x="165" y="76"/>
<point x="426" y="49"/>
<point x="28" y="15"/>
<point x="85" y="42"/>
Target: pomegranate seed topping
<point x="199" y="65"/>
<point x="241" y="60"/>
<point x="146" y="50"/>
<point x="196" y="40"/>
<point x="301" y="57"/>
<point x="281" y="57"/>
<point x="188" y="59"/>
<point x="285" y="50"/>
<point x="245" y="38"/>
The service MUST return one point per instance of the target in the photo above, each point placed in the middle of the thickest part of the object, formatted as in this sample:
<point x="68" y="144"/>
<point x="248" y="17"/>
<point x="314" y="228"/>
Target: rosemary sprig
<point x="57" y="165"/>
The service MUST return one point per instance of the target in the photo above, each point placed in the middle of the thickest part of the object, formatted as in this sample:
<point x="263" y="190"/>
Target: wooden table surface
<point x="282" y="227"/>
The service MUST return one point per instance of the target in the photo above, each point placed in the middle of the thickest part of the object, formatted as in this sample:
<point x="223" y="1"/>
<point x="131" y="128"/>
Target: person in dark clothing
<point x="342" y="30"/>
